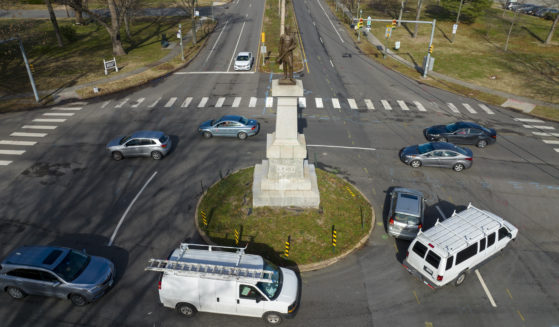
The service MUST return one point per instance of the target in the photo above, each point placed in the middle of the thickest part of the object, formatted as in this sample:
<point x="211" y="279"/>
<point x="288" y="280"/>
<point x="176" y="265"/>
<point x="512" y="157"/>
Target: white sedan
<point x="243" y="61"/>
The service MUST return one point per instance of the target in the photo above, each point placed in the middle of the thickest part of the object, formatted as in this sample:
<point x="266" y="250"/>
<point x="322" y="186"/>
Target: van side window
<point x="248" y="292"/>
<point x="503" y="232"/>
<point x="491" y="239"/>
<point x="481" y="245"/>
<point x="449" y="263"/>
<point x="433" y="259"/>
<point x="466" y="254"/>
<point x="420" y="249"/>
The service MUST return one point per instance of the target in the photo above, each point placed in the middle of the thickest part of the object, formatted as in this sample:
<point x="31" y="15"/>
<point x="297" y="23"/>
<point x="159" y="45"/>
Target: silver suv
<point x="56" y="271"/>
<point x="405" y="217"/>
<point x="140" y="144"/>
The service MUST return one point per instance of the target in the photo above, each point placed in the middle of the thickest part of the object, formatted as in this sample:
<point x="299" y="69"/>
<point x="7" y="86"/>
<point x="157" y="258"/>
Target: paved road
<point x="65" y="190"/>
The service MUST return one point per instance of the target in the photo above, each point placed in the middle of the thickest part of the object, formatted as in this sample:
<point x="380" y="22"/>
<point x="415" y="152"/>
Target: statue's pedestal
<point x="285" y="178"/>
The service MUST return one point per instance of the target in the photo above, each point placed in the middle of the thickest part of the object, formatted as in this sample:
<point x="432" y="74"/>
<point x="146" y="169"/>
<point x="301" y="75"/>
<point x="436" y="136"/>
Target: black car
<point x="461" y="133"/>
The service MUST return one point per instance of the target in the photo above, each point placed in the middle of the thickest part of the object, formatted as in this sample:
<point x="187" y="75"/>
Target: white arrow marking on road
<point x="419" y="106"/>
<point x="203" y="102"/>
<point x="336" y="103"/>
<point x="186" y="102"/>
<point x="170" y="102"/>
<point x="252" y="102"/>
<point x="23" y="143"/>
<point x="138" y="102"/>
<point x="5" y="162"/>
<point x="236" y="102"/>
<point x="59" y="114"/>
<point x="469" y="108"/>
<point x="318" y="102"/>
<point x="13" y="152"/>
<point x="39" y="127"/>
<point x="154" y="103"/>
<point x="122" y="103"/>
<point x="486" y="109"/>
<point x="551" y="141"/>
<point x="269" y="102"/>
<point x="28" y="134"/>
<point x="453" y="107"/>
<point x="302" y="102"/>
<point x="352" y="104"/>
<point x="529" y="120"/>
<point x="219" y="102"/>
<point x="369" y="104"/>
<point x="49" y="120"/>
<point x="386" y="105"/>
<point x="403" y="105"/>
<point x="538" y="126"/>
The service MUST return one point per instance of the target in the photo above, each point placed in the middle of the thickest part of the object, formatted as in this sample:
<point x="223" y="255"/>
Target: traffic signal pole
<point x="426" y="68"/>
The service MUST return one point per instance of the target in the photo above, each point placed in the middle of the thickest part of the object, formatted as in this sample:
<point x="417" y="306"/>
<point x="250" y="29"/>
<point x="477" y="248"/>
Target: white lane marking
<point x="5" y="162"/>
<point x="171" y="102"/>
<point x="556" y="149"/>
<point x="441" y="212"/>
<point x="203" y="102"/>
<point x="59" y="114"/>
<point x="50" y="120"/>
<point x="486" y="109"/>
<point x="318" y="103"/>
<point x="386" y="105"/>
<point x="236" y="45"/>
<point x="331" y="64"/>
<point x="269" y="102"/>
<point x="186" y="102"/>
<point x="213" y="72"/>
<point x="452" y="107"/>
<point x="154" y="103"/>
<point x="541" y="134"/>
<point x="352" y="104"/>
<point x="28" y="134"/>
<point x="219" y="102"/>
<point x="13" y="152"/>
<point x="550" y="141"/>
<point x="128" y="209"/>
<point x="369" y="104"/>
<point x="39" y="127"/>
<point x="66" y="108"/>
<point x="302" y="102"/>
<point x="236" y="102"/>
<point x="469" y="108"/>
<point x="419" y="106"/>
<point x="341" y="147"/>
<point x="122" y="103"/>
<point x="486" y="289"/>
<point x="529" y="120"/>
<point x="138" y="102"/>
<point x="252" y="102"/>
<point x="79" y="103"/>
<point x="321" y="40"/>
<point x="213" y="47"/>
<point x="325" y="14"/>
<point x="538" y="126"/>
<point x="22" y="143"/>
<point x="105" y="104"/>
<point x="403" y="105"/>
<point x="336" y="103"/>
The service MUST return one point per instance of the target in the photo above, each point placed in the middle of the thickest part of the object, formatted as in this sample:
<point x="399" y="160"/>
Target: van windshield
<point x="273" y="289"/>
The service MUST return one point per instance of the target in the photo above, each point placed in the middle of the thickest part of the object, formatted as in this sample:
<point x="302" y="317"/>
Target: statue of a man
<point x="286" y="47"/>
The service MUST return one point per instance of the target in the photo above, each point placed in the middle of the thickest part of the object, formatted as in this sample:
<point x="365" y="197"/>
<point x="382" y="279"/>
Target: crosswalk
<point x="536" y="126"/>
<point x="313" y="103"/>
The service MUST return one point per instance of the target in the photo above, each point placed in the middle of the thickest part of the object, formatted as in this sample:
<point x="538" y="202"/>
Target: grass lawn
<point x="228" y="206"/>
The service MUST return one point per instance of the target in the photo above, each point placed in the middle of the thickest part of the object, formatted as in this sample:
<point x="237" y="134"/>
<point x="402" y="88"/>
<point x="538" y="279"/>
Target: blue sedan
<point x="230" y="125"/>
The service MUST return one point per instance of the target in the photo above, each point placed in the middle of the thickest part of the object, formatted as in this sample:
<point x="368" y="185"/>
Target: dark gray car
<point x="153" y="144"/>
<point x="437" y="154"/>
<point x="56" y="271"/>
<point x="405" y="217"/>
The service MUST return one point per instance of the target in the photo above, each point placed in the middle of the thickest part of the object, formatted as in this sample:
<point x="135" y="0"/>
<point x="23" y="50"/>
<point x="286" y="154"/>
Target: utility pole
<point x="360" y="25"/>
<point x="457" y="20"/>
<point x="179" y="35"/>
<point x="426" y="68"/>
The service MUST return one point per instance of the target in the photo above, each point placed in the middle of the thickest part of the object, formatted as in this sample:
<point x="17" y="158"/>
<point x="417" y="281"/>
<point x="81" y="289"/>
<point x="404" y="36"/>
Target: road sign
<point x="263" y="37"/>
<point x="388" y="31"/>
<point x="263" y="49"/>
<point x="369" y="21"/>
<point x="454" y="28"/>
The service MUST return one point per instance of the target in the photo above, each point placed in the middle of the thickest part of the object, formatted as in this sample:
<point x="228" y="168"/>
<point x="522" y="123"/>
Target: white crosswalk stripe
<point x="236" y="102"/>
<point x="419" y="106"/>
<point x="170" y="102"/>
<point x="219" y="102"/>
<point x="551" y="141"/>
<point x="203" y="102"/>
<point x="186" y="102"/>
<point x="556" y="149"/>
<point x="5" y="162"/>
<point x="50" y="120"/>
<point x="369" y="104"/>
<point x="352" y="104"/>
<point x="122" y="103"/>
<point x="21" y="143"/>
<point x="138" y="102"/>
<point x="452" y="107"/>
<point x="318" y="103"/>
<point x="39" y="127"/>
<point x="269" y="102"/>
<point x="252" y="102"/>
<point x="386" y="105"/>
<point x="403" y="105"/>
<point x="59" y="114"/>
<point x="106" y="103"/>
<point x="67" y="108"/>
<point x="538" y="126"/>
<point x="12" y="152"/>
<point x="469" y="108"/>
<point x="155" y="103"/>
<point x="486" y="109"/>
<point x="529" y="120"/>
<point x="302" y="102"/>
<point x="28" y="134"/>
<point x="545" y="134"/>
<point x="336" y="103"/>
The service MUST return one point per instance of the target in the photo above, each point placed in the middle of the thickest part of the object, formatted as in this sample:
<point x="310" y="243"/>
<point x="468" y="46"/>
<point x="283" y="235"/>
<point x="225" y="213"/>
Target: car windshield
<point x="451" y="127"/>
<point x="243" y="120"/>
<point x="272" y="289"/>
<point x="124" y="139"/>
<point x="462" y="150"/>
<point x="72" y="265"/>
<point x="406" y="219"/>
<point x="242" y="58"/>
<point x="425" y="147"/>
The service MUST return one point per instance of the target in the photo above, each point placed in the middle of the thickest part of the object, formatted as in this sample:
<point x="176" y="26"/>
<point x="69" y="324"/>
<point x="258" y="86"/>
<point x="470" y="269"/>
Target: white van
<point x="213" y="279"/>
<point x="452" y="248"/>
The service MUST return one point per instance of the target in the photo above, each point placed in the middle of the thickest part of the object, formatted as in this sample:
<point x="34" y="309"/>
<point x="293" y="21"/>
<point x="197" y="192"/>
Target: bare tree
<point x="404" y="2"/>
<point x="552" y="4"/>
<point x="189" y="7"/>
<point x="417" y="16"/>
<point x="79" y="12"/>
<point x="128" y="9"/>
<point x="513" y="20"/>
<point x="54" y="23"/>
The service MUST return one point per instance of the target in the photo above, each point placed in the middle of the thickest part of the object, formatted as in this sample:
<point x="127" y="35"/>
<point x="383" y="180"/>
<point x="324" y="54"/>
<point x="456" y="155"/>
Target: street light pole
<point x="28" y="70"/>
<point x="457" y="19"/>
<point x="180" y="37"/>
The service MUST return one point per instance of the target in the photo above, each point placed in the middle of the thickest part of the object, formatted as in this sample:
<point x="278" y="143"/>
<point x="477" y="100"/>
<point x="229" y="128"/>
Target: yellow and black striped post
<point x="236" y="237"/>
<point x="333" y="238"/>
<point x="287" y="246"/>
<point x="204" y="220"/>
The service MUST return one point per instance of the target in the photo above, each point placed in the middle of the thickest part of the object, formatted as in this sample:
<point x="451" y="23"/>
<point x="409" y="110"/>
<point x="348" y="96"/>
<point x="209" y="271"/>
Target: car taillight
<point x="391" y="221"/>
<point x="469" y="159"/>
<point x="431" y="245"/>
<point x="407" y="253"/>
<point x="159" y="285"/>
<point x="253" y="128"/>
<point x="494" y="136"/>
<point x="163" y="145"/>
<point x="440" y="278"/>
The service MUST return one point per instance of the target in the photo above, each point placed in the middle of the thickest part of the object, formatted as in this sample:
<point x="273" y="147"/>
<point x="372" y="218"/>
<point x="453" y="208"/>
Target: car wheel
<point x="460" y="279"/>
<point x="442" y="139"/>
<point x="207" y="135"/>
<point x="117" y="155"/>
<point x="78" y="300"/>
<point x="242" y="135"/>
<point x="272" y="318"/>
<point x="15" y="293"/>
<point x="415" y="163"/>
<point x="458" y="167"/>
<point x="186" y="309"/>
<point x="156" y="155"/>
<point x="481" y="143"/>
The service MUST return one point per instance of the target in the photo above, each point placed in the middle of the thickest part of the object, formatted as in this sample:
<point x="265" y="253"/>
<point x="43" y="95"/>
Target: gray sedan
<point x="437" y="154"/>
<point x="153" y="144"/>
<point x="229" y="125"/>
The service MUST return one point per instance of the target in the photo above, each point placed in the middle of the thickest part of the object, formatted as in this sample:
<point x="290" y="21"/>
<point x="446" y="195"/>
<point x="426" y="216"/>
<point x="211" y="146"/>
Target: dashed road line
<point x="67" y="108"/>
<point x="538" y="126"/>
<point x="39" y="126"/>
<point x="486" y="289"/>
<point x="545" y="134"/>
<point x="5" y="162"/>
<point x="22" y="143"/>
<point x="21" y="134"/>
<point x="550" y="141"/>
<point x="59" y="114"/>
<point x="12" y="152"/>
<point x="50" y="120"/>
<point x="416" y="298"/>
<point x="529" y="120"/>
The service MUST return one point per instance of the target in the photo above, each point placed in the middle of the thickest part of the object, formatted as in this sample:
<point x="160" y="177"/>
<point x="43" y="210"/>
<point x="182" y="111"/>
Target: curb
<point x="299" y="268"/>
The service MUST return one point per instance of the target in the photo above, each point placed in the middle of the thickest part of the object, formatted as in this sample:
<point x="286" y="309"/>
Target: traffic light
<point x="393" y="24"/>
<point x="360" y="25"/>
<point x="431" y="48"/>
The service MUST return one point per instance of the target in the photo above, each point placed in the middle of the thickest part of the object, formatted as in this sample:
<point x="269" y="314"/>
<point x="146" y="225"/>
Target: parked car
<point x="437" y="154"/>
<point x="140" y="144"/>
<point x="229" y="125"/>
<point x="243" y="61"/>
<point x="405" y="216"/>
<point x="461" y="133"/>
<point x="524" y="8"/>
<point x="546" y="11"/>
<point x="56" y="271"/>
